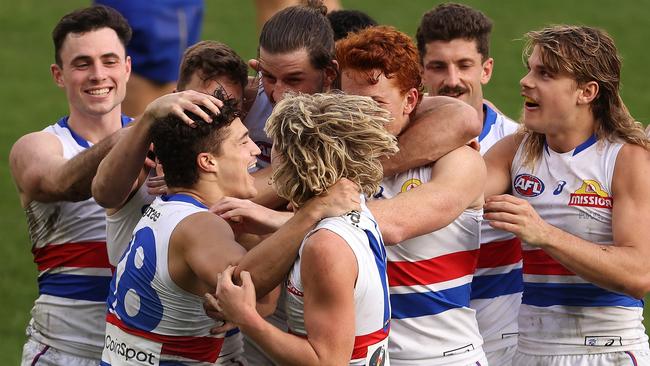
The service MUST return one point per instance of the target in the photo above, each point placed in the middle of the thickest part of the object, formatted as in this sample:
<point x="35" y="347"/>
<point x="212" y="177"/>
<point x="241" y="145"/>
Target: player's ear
<point x="57" y="75"/>
<point x="207" y="162"/>
<point x="588" y="92"/>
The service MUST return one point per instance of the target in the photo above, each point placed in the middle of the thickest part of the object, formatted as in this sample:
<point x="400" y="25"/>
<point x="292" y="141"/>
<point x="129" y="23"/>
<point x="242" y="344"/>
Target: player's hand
<point x="236" y="303"/>
<point x="178" y="103"/>
<point x="249" y="217"/>
<point x="517" y="216"/>
<point x="211" y="307"/>
<point x="156" y="186"/>
<point x="341" y="198"/>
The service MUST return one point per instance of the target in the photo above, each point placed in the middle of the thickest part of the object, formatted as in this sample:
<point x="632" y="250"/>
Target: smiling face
<point x="455" y="69"/>
<point x="94" y="71"/>
<point x="385" y="92"/>
<point x="291" y="72"/>
<point x="550" y="98"/>
<point x="237" y="153"/>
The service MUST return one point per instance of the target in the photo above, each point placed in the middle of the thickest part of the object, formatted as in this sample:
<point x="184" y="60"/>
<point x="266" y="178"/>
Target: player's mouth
<point x="99" y="92"/>
<point x="252" y="165"/>
<point x="530" y="103"/>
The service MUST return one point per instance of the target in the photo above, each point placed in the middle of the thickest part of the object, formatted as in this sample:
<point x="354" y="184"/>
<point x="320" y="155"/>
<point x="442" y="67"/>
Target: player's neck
<point x="202" y="193"/>
<point x="94" y="128"/>
<point x="575" y="133"/>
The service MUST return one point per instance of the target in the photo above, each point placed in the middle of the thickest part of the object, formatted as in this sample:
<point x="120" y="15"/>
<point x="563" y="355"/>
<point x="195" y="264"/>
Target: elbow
<point x="470" y="120"/>
<point x="101" y="196"/>
<point x="393" y="234"/>
<point x="639" y="290"/>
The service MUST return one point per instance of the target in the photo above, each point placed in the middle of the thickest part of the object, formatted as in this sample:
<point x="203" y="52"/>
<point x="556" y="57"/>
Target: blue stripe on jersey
<point x="590" y="141"/>
<point x="232" y="332"/>
<point x="429" y="303"/>
<point x="77" y="287"/>
<point x="63" y="122"/>
<point x="171" y="363"/>
<point x="180" y="197"/>
<point x="490" y="120"/>
<point x="379" y="252"/>
<point x="491" y="286"/>
<point x="102" y="363"/>
<point x="549" y="294"/>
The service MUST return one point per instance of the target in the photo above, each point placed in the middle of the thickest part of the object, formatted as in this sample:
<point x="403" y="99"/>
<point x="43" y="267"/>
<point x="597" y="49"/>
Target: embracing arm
<point x="440" y="125"/>
<point x="498" y="160"/>
<point x="621" y="267"/>
<point x="121" y="172"/>
<point x="41" y="173"/>
<point x="329" y="271"/>
<point x="270" y="261"/>
<point x="457" y="180"/>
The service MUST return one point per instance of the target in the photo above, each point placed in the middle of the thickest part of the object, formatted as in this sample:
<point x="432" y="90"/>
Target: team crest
<point x="591" y="194"/>
<point x="528" y="185"/>
<point x="410" y="184"/>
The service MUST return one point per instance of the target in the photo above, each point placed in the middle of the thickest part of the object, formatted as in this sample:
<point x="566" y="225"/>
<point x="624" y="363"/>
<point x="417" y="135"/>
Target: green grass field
<point x="30" y="100"/>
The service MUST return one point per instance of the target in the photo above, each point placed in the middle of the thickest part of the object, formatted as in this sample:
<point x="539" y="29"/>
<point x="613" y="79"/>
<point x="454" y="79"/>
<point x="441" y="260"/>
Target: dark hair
<point x="344" y="22"/>
<point x="298" y="27"/>
<point x="177" y="145"/>
<point x="90" y="19"/>
<point x="450" y="21"/>
<point x="212" y="59"/>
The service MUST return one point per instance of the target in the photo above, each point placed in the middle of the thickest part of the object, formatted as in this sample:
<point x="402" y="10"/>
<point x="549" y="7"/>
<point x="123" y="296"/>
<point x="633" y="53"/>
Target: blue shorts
<point x="162" y="30"/>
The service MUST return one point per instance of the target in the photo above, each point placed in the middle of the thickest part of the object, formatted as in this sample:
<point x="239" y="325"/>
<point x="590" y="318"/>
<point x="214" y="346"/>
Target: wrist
<point x="251" y="322"/>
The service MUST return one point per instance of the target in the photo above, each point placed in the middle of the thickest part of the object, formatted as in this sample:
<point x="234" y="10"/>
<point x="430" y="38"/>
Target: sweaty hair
<point x="212" y="59"/>
<point x="322" y="138"/>
<point x="450" y="21"/>
<point x="90" y="19"/>
<point x="297" y="27"/>
<point x="177" y="145"/>
<point x="381" y="48"/>
<point x="586" y="54"/>
<point x="344" y="22"/>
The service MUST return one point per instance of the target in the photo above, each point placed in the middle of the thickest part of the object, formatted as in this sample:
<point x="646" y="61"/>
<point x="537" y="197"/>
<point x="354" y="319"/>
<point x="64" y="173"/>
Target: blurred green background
<point x="30" y="101"/>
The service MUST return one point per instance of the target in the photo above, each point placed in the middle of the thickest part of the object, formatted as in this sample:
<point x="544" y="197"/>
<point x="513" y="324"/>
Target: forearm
<point x="284" y="348"/>
<point x="617" y="268"/>
<point x="436" y="130"/>
<point x="120" y="169"/>
<point x="403" y="218"/>
<point x="73" y="180"/>
<point x="270" y="261"/>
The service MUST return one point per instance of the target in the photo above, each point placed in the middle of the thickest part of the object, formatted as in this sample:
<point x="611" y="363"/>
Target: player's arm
<point x="457" y="180"/>
<point x="270" y="260"/>
<point x="498" y="160"/>
<point x="42" y="173"/>
<point x="206" y="245"/>
<point x="328" y="271"/>
<point x="121" y="172"/>
<point x="621" y="267"/>
<point x="441" y="124"/>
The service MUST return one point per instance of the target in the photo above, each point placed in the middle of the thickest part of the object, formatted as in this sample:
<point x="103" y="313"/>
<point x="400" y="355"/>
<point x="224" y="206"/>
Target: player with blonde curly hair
<point x="340" y="270"/>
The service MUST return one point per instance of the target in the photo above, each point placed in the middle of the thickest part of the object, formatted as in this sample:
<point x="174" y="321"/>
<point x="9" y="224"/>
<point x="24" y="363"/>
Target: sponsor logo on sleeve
<point x="528" y="185"/>
<point x="591" y="194"/>
<point x="410" y="184"/>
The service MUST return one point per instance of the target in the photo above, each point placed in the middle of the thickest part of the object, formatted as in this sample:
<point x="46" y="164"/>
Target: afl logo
<point x="528" y="185"/>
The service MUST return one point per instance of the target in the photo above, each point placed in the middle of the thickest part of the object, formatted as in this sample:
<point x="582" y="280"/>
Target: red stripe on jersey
<point x="499" y="253"/>
<point x="80" y="255"/>
<point x="362" y="342"/>
<point x="439" y="269"/>
<point x="537" y="262"/>
<point x="204" y="349"/>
